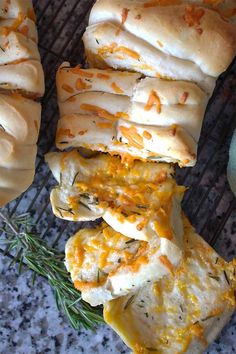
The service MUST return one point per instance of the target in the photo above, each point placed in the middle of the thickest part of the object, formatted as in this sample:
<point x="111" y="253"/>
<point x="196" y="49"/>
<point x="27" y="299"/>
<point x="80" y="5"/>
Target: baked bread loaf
<point x="139" y="201"/>
<point x="149" y="39"/>
<point x="19" y="129"/>
<point x="183" y="312"/>
<point x="21" y="78"/>
<point x="112" y="265"/>
<point x="142" y="117"/>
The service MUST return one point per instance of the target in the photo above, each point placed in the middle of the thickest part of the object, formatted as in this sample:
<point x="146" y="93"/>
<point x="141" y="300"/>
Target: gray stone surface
<point x="29" y="319"/>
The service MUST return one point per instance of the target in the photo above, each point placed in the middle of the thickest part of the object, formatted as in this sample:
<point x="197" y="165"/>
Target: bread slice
<point x="188" y="32"/>
<point x="142" y="117"/>
<point x="72" y="81"/>
<point x="105" y="264"/>
<point x="26" y="77"/>
<point x="139" y="201"/>
<point x="182" y="313"/>
<point x="16" y="47"/>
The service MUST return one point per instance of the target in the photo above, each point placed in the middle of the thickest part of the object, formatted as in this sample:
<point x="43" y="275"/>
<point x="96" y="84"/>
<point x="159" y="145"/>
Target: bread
<point x="26" y="77"/>
<point x="104" y="49"/>
<point x="168" y="114"/>
<point x="188" y="32"/>
<point x="24" y="25"/>
<point x="183" y="312"/>
<point x="13" y="8"/>
<point x="139" y="201"/>
<point x="111" y="265"/>
<point x="21" y="78"/>
<point x="72" y="81"/>
<point x="15" y="47"/>
<point x="19" y="128"/>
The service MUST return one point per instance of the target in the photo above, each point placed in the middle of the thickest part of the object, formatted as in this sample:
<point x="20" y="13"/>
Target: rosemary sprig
<point x="47" y="262"/>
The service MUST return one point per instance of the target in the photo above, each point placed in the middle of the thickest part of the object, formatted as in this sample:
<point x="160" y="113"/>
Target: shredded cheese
<point x="153" y="99"/>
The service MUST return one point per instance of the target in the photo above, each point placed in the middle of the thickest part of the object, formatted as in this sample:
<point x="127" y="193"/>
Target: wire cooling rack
<point x="208" y="203"/>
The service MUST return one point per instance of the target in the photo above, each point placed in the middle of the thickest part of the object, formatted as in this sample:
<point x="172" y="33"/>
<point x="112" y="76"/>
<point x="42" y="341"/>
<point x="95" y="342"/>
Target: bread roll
<point x="19" y="128"/>
<point x="157" y="117"/>
<point x="127" y="266"/>
<point x="139" y="201"/>
<point x="191" y="33"/>
<point x="182" y="313"/>
<point x="12" y="9"/>
<point x="15" y="46"/>
<point x="26" y="76"/>
<point x="105" y="49"/>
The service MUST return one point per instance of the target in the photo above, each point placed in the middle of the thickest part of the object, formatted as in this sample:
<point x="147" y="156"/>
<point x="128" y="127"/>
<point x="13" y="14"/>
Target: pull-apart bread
<point x="183" y="312"/>
<point x="21" y="81"/>
<point x="105" y="265"/>
<point x="178" y="42"/>
<point x="125" y="114"/>
<point x="139" y="201"/>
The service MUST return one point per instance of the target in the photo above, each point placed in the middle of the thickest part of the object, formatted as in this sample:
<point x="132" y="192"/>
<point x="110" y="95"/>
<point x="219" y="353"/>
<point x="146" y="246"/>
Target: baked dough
<point x="143" y="117"/>
<point x="19" y="128"/>
<point x="24" y="25"/>
<point x="188" y="32"/>
<point x="21" y="78"/>
<point x="183" y="312"/>
<point x="15" y="46"/>
<point x="12" y="9"/>
<point x="111" y="265"/>
<point x="26" y="76"/>
<point x="139" y="201"/>
<point x="72" y="81"/>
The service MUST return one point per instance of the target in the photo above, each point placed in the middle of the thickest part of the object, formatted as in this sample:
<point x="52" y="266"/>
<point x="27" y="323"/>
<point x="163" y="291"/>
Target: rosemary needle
<point x="47" y="262"/>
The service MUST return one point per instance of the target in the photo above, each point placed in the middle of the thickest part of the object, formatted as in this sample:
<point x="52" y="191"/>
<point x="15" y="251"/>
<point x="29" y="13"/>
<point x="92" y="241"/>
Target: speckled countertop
<point x="29" y="319"/>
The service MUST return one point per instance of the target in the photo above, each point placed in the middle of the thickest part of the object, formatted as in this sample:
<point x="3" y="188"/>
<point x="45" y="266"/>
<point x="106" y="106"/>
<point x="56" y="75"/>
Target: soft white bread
<point x="99" y="134"/>
<point x="105" y="49"/>
<point x="19" y="128"/>
<point x="163" y="117"/>
<point x="107" y="104"/>
<point x="183" y="312"/>
<point x="139" y="201"/>
<point x="24" y="25"/>
<point x="26" y="76"/>
<point x="189" y="32"/>
<point x="71" y="81"/>
<point x="172" y="143"/>
<point x="111" y="265"/>
<point x="12" y="9"/>
<point x="16" y="46"/>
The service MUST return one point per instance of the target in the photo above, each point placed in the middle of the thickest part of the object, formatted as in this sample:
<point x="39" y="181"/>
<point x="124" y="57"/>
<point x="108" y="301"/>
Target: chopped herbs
<point x="74" y="179"/>
<point x="129" y="302"/>
<point x="97" y="41"/>
<point x="207" y="318"/>
<point x="181" y="308"/>
<point x="2" y="127"/>
<point x="84" y="205"/>
<point x="217" y="260"/>
<point x="146" y="314"/>
<point x="2" y="49"/>
<point x="130" y="241"/>
<point x="60" y="210"/>
<point x="226" y="277"/>
<point x="215" y="277"/>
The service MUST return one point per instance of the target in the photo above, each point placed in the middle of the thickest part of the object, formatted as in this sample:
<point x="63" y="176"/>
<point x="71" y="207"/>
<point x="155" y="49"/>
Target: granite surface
<point x="29" y="319"/>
